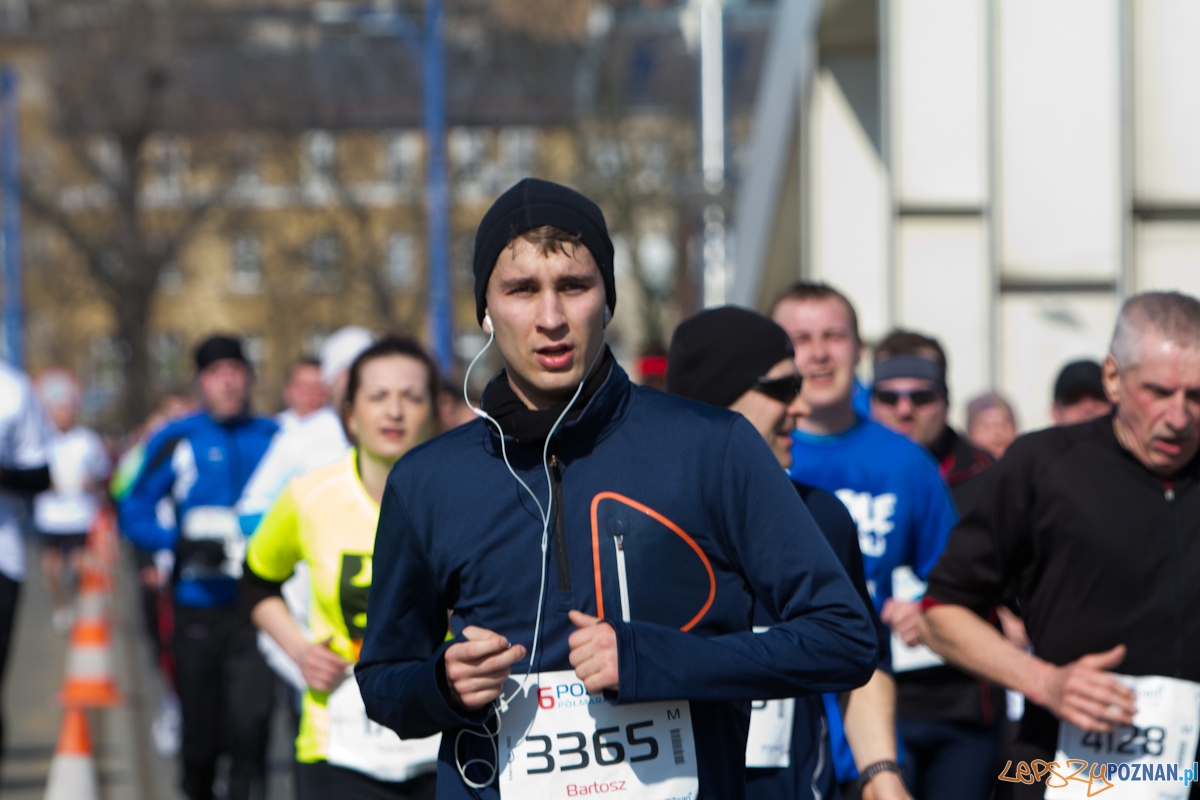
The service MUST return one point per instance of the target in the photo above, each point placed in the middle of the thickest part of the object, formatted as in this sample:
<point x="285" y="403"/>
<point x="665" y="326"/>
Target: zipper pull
<point x="620" y="541"/>
<point x="1170" y="491"/>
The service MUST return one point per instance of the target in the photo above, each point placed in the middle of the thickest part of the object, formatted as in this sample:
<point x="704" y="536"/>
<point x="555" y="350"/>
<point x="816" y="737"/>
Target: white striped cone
<point x="89" y="681"/>
<point x="73" y="770"/>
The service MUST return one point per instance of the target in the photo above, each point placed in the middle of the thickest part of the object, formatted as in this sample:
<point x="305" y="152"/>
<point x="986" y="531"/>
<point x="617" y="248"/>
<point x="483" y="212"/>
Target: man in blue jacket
<point x="197" y="467"/>
<point x="603" y="545"/>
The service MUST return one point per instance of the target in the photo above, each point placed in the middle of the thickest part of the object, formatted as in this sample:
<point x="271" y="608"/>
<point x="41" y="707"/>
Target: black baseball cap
<point x="1078" y="380"/>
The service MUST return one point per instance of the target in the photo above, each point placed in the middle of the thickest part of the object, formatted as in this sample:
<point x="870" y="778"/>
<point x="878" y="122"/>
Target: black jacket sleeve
<point x="25" y="481"/>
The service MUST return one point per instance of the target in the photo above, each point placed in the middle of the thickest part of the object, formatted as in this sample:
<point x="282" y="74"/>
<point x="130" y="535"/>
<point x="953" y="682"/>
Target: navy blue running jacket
<point x="709" y="523"/>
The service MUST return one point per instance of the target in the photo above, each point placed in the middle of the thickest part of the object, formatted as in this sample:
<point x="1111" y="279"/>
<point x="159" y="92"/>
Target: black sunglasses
<point x="921" y="397"/>
<point x="785" y="389"/>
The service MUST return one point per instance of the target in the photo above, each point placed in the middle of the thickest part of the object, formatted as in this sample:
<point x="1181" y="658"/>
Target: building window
<point x="401" y="264"/>
<point x="462" y="252"/>
<point x="170" y="367"/>
<point x="319" y="155"/>
<point x="517" y="150"/>
<point x="106" y="373"/>
<point x="169" y="163"/>
<point x="105" y="156"/>
<point x="245" y="256"/>
<point x="170" y="278"/>
<point x="255" y="350"/>
<point x="323" y="255"/>
<point x="404" y="152"/>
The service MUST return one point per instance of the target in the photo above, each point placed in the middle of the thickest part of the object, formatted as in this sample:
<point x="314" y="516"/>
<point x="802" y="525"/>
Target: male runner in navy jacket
<point x="631" y="588"/>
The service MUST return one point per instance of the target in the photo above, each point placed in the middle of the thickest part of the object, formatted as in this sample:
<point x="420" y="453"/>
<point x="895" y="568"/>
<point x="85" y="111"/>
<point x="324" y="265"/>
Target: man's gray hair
<point x="1172" y="315"/>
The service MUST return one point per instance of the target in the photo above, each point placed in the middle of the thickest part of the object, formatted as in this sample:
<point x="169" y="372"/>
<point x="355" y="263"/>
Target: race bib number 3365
<point x="558" y="741"/>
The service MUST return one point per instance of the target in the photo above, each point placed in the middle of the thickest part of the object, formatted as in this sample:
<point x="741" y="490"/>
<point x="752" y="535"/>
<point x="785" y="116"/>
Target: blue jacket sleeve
<point x="825" y="640"/>
<point x="399" y="670"/>
<point x="138" y="513"/>
<point x="935" y="516"/>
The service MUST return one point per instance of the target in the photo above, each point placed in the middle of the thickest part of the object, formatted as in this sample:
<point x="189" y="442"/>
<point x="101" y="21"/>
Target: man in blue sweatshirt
<point x="890" y="485"/>
<point x="198" y="466"/>
<point x="602" y="546"/>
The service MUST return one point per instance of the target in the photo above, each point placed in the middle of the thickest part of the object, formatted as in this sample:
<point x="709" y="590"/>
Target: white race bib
<point x="908" y="588"/>
<point x="907" y="659"/>
<point x="357" y="743"/>
<point x="770" y="742"/>
<point x="1164" y="734"/>
<point x="217" y="524"/>
<point x="557" y="741"/>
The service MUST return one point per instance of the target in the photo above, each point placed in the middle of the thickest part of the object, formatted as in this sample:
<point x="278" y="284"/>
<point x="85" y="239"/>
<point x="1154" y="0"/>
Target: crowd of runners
<point x="745" y="573"/>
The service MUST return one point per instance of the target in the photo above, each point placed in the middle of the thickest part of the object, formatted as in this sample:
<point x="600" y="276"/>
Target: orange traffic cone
<point x="89" y="682"/>
<point x="73" y="771"/>
<point x="92" y="602"/>
<point x="102" y="538"/>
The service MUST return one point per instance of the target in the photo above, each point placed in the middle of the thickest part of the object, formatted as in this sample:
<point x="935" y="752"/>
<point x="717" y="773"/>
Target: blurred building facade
<point x="281" y="178"/>
<point x="997" y="173"/>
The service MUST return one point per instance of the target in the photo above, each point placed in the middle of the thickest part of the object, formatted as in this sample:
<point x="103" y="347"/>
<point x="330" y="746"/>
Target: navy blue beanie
<point x="531" y="204"/>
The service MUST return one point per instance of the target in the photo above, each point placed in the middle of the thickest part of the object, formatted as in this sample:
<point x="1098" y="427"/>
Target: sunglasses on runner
<point x="785" y="389"/>
<point x="921" y="397"/>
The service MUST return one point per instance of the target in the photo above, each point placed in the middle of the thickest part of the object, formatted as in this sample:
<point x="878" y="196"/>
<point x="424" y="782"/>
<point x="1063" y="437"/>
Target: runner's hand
<point x="322" y="668"/>
<point x="477" y="668"/>
<point x="593" y="652"/>
<point x="903" y="618"/>
<point x="886" y="786"/>
<point x="1083" y="694"/>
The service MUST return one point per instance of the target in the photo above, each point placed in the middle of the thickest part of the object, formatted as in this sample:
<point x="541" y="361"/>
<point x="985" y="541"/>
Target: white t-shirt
<point x="77" y="459"/>
<point x="316" y="441"/>
<point x="22" y="446"/>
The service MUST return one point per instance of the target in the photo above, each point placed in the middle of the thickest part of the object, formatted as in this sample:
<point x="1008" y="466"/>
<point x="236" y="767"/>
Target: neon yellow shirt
<point x="327" y="519"/>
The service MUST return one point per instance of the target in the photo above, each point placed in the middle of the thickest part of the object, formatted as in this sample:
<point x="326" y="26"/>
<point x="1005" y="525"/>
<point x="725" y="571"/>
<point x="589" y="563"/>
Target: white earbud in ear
<point x="487" y="323"/>
<point x="607" y="316"/>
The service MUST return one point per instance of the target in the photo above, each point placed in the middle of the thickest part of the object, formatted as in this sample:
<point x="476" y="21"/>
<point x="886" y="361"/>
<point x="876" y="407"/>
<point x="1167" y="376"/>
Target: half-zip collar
<point x="604" y="400"/>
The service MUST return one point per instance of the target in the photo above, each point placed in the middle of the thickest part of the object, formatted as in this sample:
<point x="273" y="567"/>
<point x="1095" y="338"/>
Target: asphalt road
<point x="128" y="765"/>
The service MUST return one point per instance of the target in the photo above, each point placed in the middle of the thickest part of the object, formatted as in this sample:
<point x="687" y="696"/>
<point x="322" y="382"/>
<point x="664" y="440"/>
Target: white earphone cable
<point x="546" y="512"/>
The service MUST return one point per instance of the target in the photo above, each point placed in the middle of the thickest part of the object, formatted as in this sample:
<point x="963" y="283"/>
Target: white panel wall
<point x="1166" y="103"/>
<point x="1038" y="335"/>
<point x="849" y="206"/>
<point x="1058" y="138"/>
<point x="938" y="77"/>
<point x="942" y="269"/>
<point x="1168" y="256"/>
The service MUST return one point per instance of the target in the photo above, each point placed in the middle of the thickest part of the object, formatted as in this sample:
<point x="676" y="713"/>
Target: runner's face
<point x="827" y="350"/>
<point x="1158" y="403"/>
<point x="771" y="418"/>
<point x="224" y="386"/>
<point x="63" y="416"/>
<point x="1082" y="410"/>
<point x="392" y="410"/>
<point x="993" y="429"/>
<point x="305" y="393"/>
<point x="548" y="313"/>
<point x="921" y="423"/>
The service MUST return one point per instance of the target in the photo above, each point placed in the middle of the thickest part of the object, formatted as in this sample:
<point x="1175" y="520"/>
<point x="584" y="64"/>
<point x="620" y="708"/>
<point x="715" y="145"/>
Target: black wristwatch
<point x="869" y="772"/>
